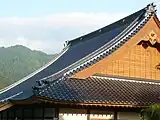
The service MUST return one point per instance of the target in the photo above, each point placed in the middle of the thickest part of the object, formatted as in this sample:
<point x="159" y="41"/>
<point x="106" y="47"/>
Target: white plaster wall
<point x="128" y="116"/>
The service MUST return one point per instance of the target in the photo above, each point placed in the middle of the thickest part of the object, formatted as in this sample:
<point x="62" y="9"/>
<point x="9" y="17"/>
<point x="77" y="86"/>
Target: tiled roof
<point x="76" y="50"/>
<point x="103" y="90"/>
<point x="81" y="53"/>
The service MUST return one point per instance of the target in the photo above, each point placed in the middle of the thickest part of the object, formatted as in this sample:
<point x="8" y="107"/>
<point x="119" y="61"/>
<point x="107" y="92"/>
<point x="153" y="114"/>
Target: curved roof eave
<point x="35" y="72"/>
<point x="107" y="48"/>
<point x="81" y="60"/>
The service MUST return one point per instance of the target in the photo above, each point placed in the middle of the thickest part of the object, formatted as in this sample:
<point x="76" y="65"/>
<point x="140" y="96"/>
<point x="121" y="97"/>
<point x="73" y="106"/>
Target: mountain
<point x="18" y="61"/>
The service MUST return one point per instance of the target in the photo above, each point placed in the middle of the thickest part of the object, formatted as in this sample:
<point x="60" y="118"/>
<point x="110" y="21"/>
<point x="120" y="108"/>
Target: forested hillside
<point x="18" y="61"/>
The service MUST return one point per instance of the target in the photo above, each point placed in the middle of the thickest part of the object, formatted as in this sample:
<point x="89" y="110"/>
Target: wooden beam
<point x="22" y="113"/>
<point x="33" y="113"/>
<point x="56" y="115"/>
<point x="43" y="111"/>
<point x="14" y="113"/>
<point x="115" y="115"/>
<point x="5" y="106"/>
<point x="7" y="112"/>
<point x="2" y="116"/>
<point x="88" y="114"/>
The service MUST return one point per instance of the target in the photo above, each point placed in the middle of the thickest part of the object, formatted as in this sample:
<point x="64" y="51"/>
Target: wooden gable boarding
<point x="139" y="57"/>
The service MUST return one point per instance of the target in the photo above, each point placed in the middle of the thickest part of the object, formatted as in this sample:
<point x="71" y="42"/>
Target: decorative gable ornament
<point x="152" y="37"/>
<point x="151" y="8"/>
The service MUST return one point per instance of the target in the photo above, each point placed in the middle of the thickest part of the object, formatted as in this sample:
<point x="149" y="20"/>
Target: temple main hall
<point x="109" y="74"/>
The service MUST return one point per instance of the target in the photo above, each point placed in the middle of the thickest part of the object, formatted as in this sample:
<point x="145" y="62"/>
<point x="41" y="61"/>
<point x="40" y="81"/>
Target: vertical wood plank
<point x="131" y="59"/>
<point x="115" y="115"/>
<point x="56" y="115"/>
<point x="88" y="114"/>
<point x="43" y="112"/>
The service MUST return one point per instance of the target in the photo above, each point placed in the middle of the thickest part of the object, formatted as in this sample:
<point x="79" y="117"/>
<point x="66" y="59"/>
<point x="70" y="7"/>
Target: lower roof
<point x="102" y="90"/>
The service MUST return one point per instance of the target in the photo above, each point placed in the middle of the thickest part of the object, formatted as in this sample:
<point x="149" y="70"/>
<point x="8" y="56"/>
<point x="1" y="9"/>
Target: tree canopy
<point x="151" y="113"/>
<point x="18" y="61"/>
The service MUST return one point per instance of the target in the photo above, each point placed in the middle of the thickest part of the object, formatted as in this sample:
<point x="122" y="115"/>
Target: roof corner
<point x="151" y="9"/>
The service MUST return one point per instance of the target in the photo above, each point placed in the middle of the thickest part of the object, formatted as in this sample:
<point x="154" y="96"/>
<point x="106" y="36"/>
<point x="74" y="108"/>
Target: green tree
<point x="151" y="113"/>
<point x="18" y="61"/>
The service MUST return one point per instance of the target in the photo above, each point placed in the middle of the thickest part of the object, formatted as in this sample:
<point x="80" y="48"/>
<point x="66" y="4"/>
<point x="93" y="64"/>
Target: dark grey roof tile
<point x="104" y="90"/>
<point x="78" y="49"/>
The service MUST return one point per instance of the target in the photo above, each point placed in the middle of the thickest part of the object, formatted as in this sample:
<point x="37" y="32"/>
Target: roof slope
<point x="103" y="90"/>
<point x="80" y="50"/>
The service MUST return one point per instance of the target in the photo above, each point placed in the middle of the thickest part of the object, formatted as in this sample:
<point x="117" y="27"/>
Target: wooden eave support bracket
<point x="5" y="105"/>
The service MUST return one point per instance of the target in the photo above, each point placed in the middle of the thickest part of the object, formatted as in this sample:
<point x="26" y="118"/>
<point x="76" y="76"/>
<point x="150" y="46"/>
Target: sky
<point x="46" y="24"/>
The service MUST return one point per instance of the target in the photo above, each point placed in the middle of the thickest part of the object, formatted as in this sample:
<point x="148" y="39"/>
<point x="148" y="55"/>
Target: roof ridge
<point x="112" y="48"/>
<point x="150" y="8"/>
<point x="103" y="29"/>
<point x="114" y="40"/>
<point x="149" y="12"/>
<point x="125" y="80"/>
